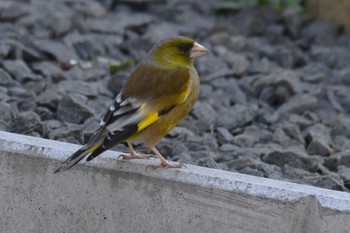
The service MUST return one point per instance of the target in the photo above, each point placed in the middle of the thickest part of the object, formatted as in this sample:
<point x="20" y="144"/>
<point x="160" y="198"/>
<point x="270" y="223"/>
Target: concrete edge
<point x="204" y="177"/>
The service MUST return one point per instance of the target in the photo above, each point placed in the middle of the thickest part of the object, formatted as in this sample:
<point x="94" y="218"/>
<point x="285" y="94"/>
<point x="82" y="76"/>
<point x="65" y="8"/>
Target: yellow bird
<point x="156" y="96"/>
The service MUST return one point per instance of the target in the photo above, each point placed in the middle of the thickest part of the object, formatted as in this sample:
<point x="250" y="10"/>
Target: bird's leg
<point x="163" y="162"/>
<point x="134" y="155"/>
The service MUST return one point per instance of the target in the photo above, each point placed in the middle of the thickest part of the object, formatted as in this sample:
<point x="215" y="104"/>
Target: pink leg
<point x="134" y="155"/>
<point x="164" y="163"/>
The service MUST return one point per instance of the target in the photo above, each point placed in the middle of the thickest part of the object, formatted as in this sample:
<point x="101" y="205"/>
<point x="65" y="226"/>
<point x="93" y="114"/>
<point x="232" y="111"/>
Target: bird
<point x="160" y="92"/>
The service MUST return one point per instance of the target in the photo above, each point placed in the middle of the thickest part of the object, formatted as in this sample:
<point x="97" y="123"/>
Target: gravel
<point x="274" y="98"/>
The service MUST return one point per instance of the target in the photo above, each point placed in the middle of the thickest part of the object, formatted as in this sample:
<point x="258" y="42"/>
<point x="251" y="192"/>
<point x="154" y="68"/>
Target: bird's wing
<point x="149" y="94"/>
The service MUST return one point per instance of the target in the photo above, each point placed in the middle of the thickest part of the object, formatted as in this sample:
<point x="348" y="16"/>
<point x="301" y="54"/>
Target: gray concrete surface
<point x="110" y="195"/>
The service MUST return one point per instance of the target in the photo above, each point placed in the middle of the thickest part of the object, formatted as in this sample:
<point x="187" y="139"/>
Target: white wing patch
<point x="120" y="124"/>
<point x="122" y="113"/>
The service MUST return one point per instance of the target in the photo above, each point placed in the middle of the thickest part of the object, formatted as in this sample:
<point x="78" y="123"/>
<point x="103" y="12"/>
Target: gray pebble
<point x="27" y="123"/>
<point x="61" y="52"/>
<point x="52" y="124"/>
<point x="205" y="115"/>
<point x="207" y="142"/>
<point x="327" y="181"/>
<point x="252" y="171"/>
<point x="4" y="97"/>
<point x="68" y="133"/>
<point x="321" y="32"/>
<point x="76" y="86"/>
<point x="72" y="110"/>
<point x="331" y="163"/>
<point x="344" y="173"/>
<point x="5" y="50"/>
<point x="280" y="137"/>
<point x="160" y="30"/>
<point x="223" y="135"/>
<point x="209" y="64"/>
<point x="20" y="71"/>
<point x="299" y="120"/>
<point x="18" y="92"/>
<point x="7" y="116"/>
<point x="89" y="128"/>
<point x="318" y="140"/>
<point x="5" y="78"/>
<point x="244" y="140"/>
<point x="344" y="158"/>
<point x="238" y="62"/>
<point x="228" y="147"/>
<point x="262" y="66"/>
<point x="49" y="99"/>
<point x="12" y="13"/>
<point x="93" y="9"/>
<point x="60" y="24"/>
<point x="290" y="172"/>
<point x="104" y="25"/>
<point x="36" y="87"/>
<point x="341" y="143"/>
<point x="293" y="158"/>
<point x="49" y="70"/>
<point x="277" y="88"/>
<point x="236" y="116"/>
<point x="241" y="162"/>
<point x="298" y="104"/>
<point x="43" y="113"/>
<point x="207" y="162"/>
<point x="99" y="104"/>
<point x="231" y="89"/>
<point x="205" y="92"/>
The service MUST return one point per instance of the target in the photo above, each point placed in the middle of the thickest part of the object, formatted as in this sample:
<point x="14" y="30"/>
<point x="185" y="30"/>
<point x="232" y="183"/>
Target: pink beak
<point x="198" y="50"/>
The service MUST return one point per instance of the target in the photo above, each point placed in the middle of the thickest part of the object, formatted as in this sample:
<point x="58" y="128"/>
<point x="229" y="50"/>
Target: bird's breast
<point x="159" y="129"/>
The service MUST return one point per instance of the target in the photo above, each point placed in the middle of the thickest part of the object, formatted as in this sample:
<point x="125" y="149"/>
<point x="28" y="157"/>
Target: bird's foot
<point x="166" y="164"/>
<point x="135" y="156"/>
<point x="163" y="162"/>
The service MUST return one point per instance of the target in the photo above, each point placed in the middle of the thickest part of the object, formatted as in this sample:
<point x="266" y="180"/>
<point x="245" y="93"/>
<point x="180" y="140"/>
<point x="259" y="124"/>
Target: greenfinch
<point x="156" y="96"/>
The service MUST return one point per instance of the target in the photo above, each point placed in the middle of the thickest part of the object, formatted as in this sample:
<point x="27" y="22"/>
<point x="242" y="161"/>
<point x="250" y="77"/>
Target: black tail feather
<point x="97" y="152"/>
<point x="72" y="160"/>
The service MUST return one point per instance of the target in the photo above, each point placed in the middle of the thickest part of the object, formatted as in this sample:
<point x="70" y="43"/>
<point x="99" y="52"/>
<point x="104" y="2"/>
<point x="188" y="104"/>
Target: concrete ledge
<point x="110" y="195"/>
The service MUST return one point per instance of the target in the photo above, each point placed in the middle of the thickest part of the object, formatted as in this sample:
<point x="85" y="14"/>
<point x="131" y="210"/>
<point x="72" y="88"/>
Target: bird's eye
<point x="182" y="48"/>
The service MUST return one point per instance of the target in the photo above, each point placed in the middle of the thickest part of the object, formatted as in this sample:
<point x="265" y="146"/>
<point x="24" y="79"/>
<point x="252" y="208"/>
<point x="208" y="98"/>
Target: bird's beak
<point x="198" y="50"/>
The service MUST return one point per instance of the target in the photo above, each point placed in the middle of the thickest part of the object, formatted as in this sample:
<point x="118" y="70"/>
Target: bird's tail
<point x="93" y="144"/>
<point x="72" y="160"/>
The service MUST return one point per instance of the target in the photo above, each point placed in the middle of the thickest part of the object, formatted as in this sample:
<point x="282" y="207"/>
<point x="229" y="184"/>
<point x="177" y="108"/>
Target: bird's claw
<point x="135" y="156"/>
<point x="167" y="165"/>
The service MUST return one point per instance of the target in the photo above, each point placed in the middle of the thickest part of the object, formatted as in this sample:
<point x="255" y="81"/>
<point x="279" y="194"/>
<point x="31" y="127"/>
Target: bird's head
<point x="177" y="52"/>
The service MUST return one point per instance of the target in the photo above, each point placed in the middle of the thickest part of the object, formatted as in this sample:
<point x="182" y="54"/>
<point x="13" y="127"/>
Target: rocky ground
<point x="274" y="99"/>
